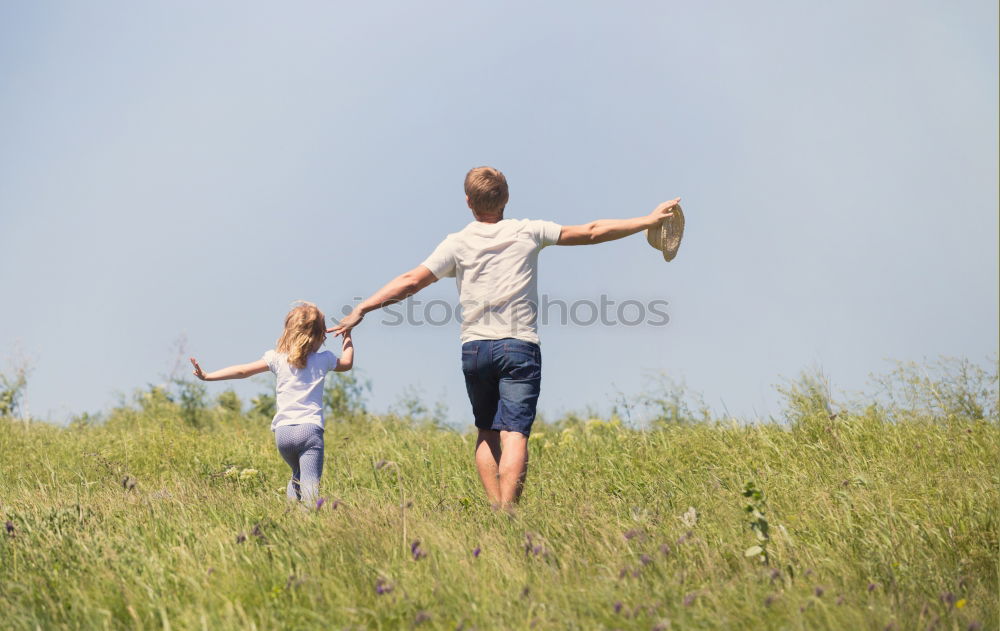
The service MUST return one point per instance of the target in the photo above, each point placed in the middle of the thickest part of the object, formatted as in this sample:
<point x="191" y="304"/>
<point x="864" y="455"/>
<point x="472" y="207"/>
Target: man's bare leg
<point x="488" y="464"/>
<point x="513" y="466"/>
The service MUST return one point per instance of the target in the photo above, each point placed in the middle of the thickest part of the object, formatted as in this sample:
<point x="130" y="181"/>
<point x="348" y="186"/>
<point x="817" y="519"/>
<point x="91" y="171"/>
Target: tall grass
<point x="156" y="518"/>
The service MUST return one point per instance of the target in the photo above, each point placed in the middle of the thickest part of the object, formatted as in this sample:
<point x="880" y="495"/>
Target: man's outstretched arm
<point x="397" y="289"/>
<point x="604" y="230"/>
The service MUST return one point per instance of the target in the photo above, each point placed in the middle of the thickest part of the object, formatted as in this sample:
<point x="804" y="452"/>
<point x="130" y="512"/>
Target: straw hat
<point x="666" y="236"/>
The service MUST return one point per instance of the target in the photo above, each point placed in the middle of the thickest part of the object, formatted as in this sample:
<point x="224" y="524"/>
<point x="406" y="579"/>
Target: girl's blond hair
<point x="305" y="332"/>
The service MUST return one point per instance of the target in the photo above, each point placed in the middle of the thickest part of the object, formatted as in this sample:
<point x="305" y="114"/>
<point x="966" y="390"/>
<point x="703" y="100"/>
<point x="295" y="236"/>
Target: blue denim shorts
<point x="503" y="379"/>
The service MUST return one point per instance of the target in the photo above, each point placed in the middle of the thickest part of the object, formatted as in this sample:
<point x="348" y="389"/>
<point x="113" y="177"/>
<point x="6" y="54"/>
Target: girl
<point x="301" y="370"/>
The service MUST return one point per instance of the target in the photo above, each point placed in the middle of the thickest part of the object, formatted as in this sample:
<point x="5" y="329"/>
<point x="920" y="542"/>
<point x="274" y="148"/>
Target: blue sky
<point x="180" y="173"/>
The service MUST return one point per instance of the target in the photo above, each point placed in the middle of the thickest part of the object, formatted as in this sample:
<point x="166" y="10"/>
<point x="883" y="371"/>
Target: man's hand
<point x="348" y="323"/>
<point x="664" y="210"/>
<point x="198" y="372"/>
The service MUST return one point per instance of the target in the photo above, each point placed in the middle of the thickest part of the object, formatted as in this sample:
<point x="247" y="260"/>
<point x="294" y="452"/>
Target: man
<point x="495" y="264"/>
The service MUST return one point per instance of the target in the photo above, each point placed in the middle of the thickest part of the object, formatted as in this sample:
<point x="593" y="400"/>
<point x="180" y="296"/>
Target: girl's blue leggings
<point x="302" y="448"/>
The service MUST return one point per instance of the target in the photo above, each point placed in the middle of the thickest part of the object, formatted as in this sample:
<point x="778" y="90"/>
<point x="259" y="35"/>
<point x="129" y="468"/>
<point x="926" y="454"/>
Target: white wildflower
<point x="690" y="518"/>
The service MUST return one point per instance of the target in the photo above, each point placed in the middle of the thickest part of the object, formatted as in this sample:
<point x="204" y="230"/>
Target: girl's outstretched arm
<point x="346" y="360"/>
<point x="240" y="371"/>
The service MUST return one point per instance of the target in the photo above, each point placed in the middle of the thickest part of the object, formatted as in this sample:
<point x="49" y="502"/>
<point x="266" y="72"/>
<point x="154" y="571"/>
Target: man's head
<point x="486" y="192"/>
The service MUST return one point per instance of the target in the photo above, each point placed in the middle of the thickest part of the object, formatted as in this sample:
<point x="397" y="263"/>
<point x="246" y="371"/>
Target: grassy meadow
<point x="169" y="513"/>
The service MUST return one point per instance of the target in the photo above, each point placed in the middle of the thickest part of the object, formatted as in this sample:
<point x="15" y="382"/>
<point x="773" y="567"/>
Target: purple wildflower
<point x="818" y="591"/>
<point x="664" y="549"/>
<point x="775" y="574"/>
<point x="948" y="598"/>
<point x="525" y="592"/>
<point x="10" y="527"/>
<point x="618" y="607"/>
<point x="975" y="625"/>
<point x="422" y="617"/>
<point x="769" y="600"/>
<point x="417" y="552"/>
<point x="689" y="599"/>
<point x="475" y="552"/>
<point x="319" y="502"/>
<point x="335" y="504"/>
<point x="871" y="587"/>
<point x="841" y="600"/>
<point x="382" y="587"/>
<point x="646" y="559"/>
<point x="531" y="546"/>
<point x="240" y="538"/>
<point x="632" y="534"/>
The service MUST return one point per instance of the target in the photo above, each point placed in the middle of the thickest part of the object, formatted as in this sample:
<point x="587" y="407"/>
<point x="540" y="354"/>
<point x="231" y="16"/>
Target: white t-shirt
<point x="299" y="390"/>
<point x="495" y="266"/>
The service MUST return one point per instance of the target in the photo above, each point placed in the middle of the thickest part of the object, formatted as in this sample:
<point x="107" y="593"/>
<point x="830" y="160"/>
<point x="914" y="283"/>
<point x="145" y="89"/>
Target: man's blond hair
<point x="487" y="190"/>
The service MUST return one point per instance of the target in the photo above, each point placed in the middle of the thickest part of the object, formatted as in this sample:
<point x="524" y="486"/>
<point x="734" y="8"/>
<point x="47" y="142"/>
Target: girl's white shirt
<point x="299" y="391"/>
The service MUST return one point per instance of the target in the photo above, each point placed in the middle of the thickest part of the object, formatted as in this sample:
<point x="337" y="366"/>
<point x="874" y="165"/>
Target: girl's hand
<point x="347" y="342"/>
<point x="198" y="372"/>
